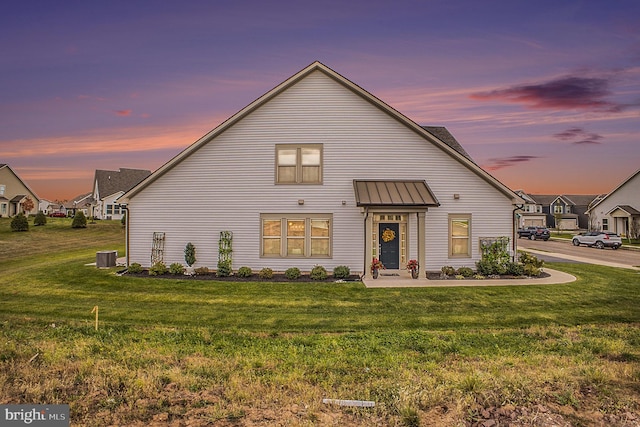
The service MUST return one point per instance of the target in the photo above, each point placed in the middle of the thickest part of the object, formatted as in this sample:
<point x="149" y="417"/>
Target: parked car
<point x="534" y="233"/>
<point x="58" y="215"/>
<point x="599" y="239"/>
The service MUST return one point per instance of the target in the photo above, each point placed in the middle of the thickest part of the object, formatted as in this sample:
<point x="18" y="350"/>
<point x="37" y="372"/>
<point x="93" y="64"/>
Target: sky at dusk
<point x="543" y="95"/>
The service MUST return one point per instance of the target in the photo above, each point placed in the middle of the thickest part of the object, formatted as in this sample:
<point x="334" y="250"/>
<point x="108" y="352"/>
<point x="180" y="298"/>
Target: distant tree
<point x="40" y="219"/>
<point x="79" y="221"/>
<point x="19" y="223"/>
<point x="558" y="219"/>
<point x="28" y="205"/>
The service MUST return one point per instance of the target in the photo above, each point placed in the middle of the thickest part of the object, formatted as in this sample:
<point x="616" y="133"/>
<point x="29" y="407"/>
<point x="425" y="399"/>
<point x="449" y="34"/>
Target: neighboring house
<point x="318" y="171"/>
<point x="108" y="186"/>
<point x="531" y="213"/>
<point x="570" y="209"/>
<point x="619" y="211"/>
<point x="45" y="206"/>
<point x="15" y="194"/>
<point x="81" y="202"/>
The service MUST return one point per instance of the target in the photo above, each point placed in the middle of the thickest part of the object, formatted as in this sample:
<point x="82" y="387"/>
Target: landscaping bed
<point x="277" y="277"/>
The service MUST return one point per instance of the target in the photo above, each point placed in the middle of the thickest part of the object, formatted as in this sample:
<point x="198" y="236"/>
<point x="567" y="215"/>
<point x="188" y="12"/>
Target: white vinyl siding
<point x="228" y="184"/>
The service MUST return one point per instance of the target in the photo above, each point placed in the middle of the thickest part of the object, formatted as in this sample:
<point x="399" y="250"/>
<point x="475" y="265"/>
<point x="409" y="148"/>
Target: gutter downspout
<point x="514" y="231"/>
<point x="126" y="234"/>
<point x="366" y="217"/>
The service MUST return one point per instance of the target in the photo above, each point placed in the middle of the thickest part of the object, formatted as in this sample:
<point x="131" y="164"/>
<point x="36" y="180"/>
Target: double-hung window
<point x="296" y="236"/>
<point x="459" y="235"/>
<point x="299" y="164"/>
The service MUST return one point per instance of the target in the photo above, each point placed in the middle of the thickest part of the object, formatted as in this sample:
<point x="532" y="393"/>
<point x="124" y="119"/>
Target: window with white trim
<point x="2" y="189"/>
<point x="557" y="209"/>
<point x="299" y="164"/>
<point x="605" y="224"/>
<point x="295" y="236"/>
<point x="459" y="235"/>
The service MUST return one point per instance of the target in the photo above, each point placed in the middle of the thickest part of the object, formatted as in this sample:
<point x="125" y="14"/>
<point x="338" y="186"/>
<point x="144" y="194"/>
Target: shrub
<point x="459" y="277"/>
<point x="341" y="272"/>
<point x="176" y="268"/>
<point x="135" y="267"/>
<point x="318" y="273"/>
<point x="465" y="272"/>
<point x="515" y="268"/>
<point x="292" y="273"/>
<point x="158" y="269"/>
<point x="190" y="254"/>
<point x="528" y="259"/>
<point x="41" y="219"/>
<point x="123" y="220"/>
<point x="478" y="276"/>
<point x="266" y="273"/>
<point x="244" y="272"/>
<point x="448" y="270"/>
<point x="224" y="269"/>
<point x="79" y="221"/>
<point x="531" y="270"/>
<point x="20" y="223"/>
<point x="201" y="270"/>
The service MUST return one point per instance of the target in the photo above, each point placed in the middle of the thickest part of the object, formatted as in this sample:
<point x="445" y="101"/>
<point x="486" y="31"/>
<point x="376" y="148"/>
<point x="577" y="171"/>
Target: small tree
<point x="19" y="223"/>
<point x="79" y="221"/>
<point x="190" y="254"/>
<point x="28" y="205"/>
<point x="123" y="220"/>
<point x="40" y="219"/>
<point x="558" y="219"/>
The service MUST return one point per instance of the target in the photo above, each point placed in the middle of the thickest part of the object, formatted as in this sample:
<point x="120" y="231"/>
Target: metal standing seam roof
<point x="394" y="193"/>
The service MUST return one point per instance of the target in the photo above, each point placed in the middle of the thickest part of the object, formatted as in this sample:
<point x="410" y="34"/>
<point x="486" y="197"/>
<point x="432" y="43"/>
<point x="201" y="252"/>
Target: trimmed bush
<point x="266" y="273"/>
<point x="318" y="273"/>
<point x="20" y="223"/>
<point x="447" y="270"/>
<point x="528" y="259"/>
<point x="40" y="219"/>
<point x="515" y="268"/>
<point x="190" y="254"/>
<point x="465" y="272"/>
<point x="224" y="269"/>
<point x="176" y="268"/>
<point x="79" y="221"/>
<point x="531" y="270"/>
<point x="341" y="272"/>
<point x="135" y="268"/>
<point x="292" y="273"/>
<point x="201" y="270"/>
<point x="158" y="269"/>
<point x="244" y="272"/>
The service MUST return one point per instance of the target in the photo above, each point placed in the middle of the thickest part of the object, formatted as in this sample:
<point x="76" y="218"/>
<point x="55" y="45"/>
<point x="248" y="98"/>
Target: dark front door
<point x="389" y="240"/>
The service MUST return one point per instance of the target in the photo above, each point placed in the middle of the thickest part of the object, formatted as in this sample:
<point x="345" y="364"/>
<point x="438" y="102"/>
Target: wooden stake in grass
<point x="95" y="310"/>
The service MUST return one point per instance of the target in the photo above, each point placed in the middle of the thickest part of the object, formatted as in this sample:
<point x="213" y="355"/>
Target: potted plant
<point x="413" y="266"/>
<point x="375" y="266"/>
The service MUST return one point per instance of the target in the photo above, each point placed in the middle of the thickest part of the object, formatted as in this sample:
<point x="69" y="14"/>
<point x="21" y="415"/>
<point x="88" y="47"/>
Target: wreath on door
<point x="388" y="235"/>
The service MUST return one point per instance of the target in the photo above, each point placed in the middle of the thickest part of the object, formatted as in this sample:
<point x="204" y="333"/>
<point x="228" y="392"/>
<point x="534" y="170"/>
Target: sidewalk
<point x="580" y="259"/>
<point x="404" y="281"/>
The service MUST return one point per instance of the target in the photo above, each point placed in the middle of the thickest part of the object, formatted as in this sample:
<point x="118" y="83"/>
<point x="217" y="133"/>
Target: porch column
<point x="368" y="243"/>
<point x="422" y="261"/>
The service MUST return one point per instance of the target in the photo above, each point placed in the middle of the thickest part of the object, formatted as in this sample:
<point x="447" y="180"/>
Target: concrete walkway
<point x="580" y="259"/>
<point x="403" y="280"/>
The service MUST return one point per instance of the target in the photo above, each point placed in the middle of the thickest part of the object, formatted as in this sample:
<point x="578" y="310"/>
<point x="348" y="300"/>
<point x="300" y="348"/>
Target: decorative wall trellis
<point x="225" y="250"/>
<point x="157" y="248"/>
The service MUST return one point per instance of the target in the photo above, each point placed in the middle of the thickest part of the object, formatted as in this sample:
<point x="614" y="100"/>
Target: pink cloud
<point x="123" y="113"/>
<point x="505" y="162"/>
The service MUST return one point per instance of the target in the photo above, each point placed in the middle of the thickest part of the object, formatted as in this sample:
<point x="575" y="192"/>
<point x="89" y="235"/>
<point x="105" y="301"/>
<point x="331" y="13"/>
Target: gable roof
<point x="4" y="165"/>
<point x="629" y="210"/>
<point x="111" y="182"/>
<point x="433" y="135"/>
<point x="614" y="190"/>
<point x="580" y="199"/>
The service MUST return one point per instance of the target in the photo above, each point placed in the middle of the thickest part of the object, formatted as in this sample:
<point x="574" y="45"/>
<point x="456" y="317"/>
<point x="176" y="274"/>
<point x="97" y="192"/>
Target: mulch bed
<point x="436" y="275"/>
<point x="277" y="277"/>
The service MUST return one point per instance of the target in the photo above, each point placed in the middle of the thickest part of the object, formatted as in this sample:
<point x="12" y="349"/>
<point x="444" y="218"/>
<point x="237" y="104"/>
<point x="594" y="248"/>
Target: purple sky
<point x="544" y="95"/>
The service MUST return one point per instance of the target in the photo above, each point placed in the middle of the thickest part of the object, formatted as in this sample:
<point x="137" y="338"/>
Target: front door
<point x="389" y="238"/>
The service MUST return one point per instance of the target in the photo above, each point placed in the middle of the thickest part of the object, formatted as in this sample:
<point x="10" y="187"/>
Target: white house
<point x="619" y="211"/>
<point x="108" y="186"/>
<point x="318" y="171"/>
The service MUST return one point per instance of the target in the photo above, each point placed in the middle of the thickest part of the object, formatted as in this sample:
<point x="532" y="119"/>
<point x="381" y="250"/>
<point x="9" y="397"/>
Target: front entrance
<point x="389" y="233"/>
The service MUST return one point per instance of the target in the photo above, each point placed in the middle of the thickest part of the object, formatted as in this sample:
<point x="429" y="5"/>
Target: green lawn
<point x="267" y="353"/>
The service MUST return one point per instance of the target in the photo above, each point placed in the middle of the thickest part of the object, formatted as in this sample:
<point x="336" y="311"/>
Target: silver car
<point x="599" y="239"/>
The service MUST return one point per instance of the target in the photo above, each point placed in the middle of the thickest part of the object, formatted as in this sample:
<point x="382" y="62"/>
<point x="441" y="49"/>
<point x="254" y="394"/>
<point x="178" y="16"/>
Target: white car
<point x="599" y="239"/>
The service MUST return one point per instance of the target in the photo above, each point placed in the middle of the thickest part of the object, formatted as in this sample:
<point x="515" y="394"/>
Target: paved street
<point x="558" y="248"/>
